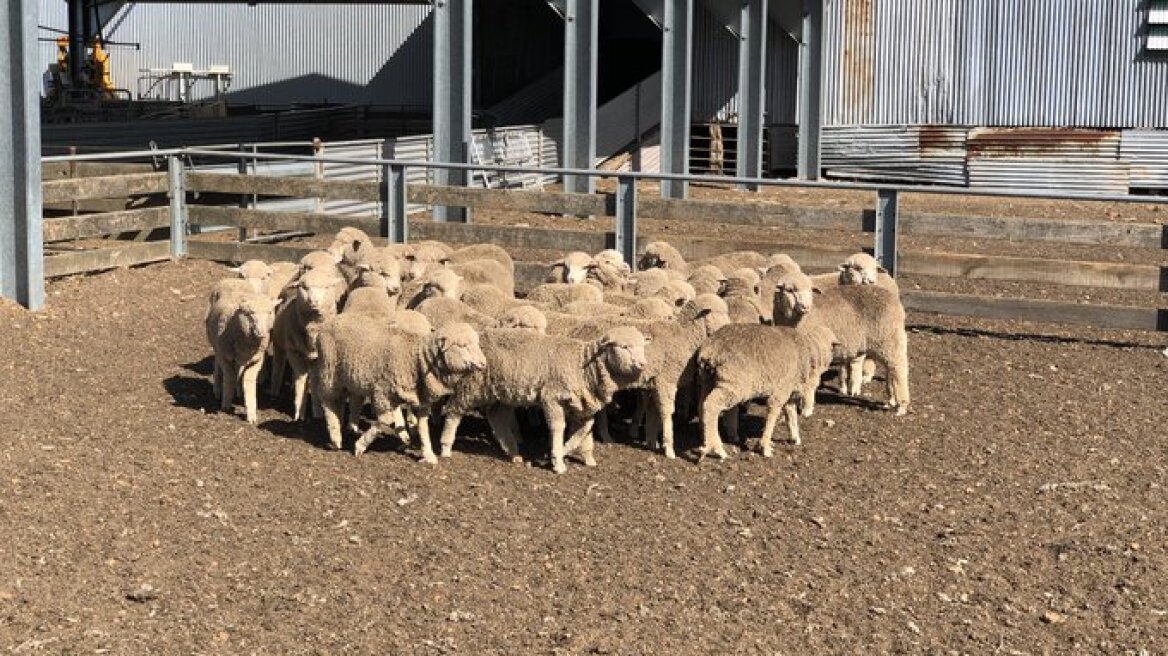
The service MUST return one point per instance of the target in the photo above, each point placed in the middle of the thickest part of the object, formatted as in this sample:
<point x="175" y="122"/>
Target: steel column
<point x="810" y="89"/>
<point x="177" y="192"/>
<point x="21" y="247"/>
<point x="751" y="79"/>
<point x="580" y="32"/>
<point x="393" y="203"/>
<point x="676" y="93"/>
<point x="886" y="220"/>
<point x="626" y="218"/>
<point x="452" y="99"/>
<point x="76" y="43"/>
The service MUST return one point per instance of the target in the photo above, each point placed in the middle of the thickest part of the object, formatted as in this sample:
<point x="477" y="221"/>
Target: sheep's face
<point x="794" y="297"/>
<point x="317" y="291"/>
<point x="383" y="273"/>
<point x="459" y="350"/>
<point x="256" y="315"/>
<point x="624" y="352"/>
<point x="860" y="269"/>
<point x="422" y="256"/>
<point x="575" y="267"/>
<point x="444" y="283"/>
<point x="256" y="273"/>
<point x="612" y="258"/>
<point x="318" y="261"/>
<point x="660" y="255"/>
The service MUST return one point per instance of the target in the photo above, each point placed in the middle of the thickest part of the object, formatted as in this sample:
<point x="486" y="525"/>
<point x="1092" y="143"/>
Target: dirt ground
<point x="1018" y="509"/>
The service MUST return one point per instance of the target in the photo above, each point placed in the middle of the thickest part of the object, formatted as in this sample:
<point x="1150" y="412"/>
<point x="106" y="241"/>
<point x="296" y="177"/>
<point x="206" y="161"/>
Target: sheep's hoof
<point x="358" y="448"/>
<point x="429" y="459"/>
<point x="794" y="441"/>
<point x="517" y="460"/>
<point x="589" y="460"/>
<point x="720" y="453"/>
<point x="446" y="452"/>
<point x="768" y="452"/>
<point x="901" y="410"/>
<point x="251" y="419"/>
<point x="670" y="454"/>
<point x="807" y="412"/>
<point x="559" y="467"/>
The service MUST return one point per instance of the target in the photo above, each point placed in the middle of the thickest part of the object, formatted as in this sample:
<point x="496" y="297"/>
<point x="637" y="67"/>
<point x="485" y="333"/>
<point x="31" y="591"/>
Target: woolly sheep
<point x="295" y="328"/>
<point x="867" y="321"/>
<point x="609" y="277"/>
<point x="741" y="363"/>
<point x="484" y="252"/>
<point x="571" y="269"/>
<point x="438" y="282"/>
<point x="670" y="353"/>
<point x="348" y="238"/>
<point x="411" y="321"/>
<point x="370" y="301"/>
<point x="489" y="300"/>
<point x="238" y="327"/>
<point x="569" y="380"/>
<point x="423" y="254"/>
<point x="662" y="255"/>
<point x="255" y="272"/>
<point x="741" y="292"/>
<point x="486" y="272"/>
<point x="707" y="279"/>
<point x="778" y="266"/>
<point x="557" y="295"/>
<point x="525" y="317"/>
<point x="441" y="311"/>
<point x="229" y="286"/>
<point x="360" y="356"/>
<point x="651" y="309"/>
<point x="611" y="257"/>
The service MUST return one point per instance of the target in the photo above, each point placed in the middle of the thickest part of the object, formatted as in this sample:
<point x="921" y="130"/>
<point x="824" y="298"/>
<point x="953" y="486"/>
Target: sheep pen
<point x="1019" y="506"/>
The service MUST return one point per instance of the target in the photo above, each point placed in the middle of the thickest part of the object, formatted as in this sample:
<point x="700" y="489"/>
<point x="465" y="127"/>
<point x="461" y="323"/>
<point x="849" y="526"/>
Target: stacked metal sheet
<point x="896" y="153"/>
<point x="1147" y="153"/>
<point x="1046" y="158"/>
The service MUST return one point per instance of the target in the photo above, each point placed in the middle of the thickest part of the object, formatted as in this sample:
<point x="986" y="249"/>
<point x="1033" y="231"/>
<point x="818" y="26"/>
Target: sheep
<point x="370" y="301"/>
<point x="484" y="252"/>
<point x="489" y="300"/>
<point x="572" y="269"/>
<point x="319" y="260"/>
<point x="438" y="282"/>
<point x="863" y="269"/>
<point x="670" y="354"/>
<point x="741" y="293"/>
<point x="440" y="311"/>
<point x="777" y="267"/>
<point x="377" y="268"/>
<point x="425" y="253"/>
<point x="707" y="279"/>
<point x="611" y="257"/>
<point x="609" y="277"/>
<point x="650" y="281"/>
<point x="663" y="255"/>
<point x="568" y="379"/>
<point x="360" y="356"/>
<point x="486" y="272"/>
<point x="557" y="295"/>
<point x="238" y="328"/>
<point x="229" y="286"/>
<point x="743" y="362"/>
<point x="256" y="272"/>
<point x="348" y="238"/>
<point x="675" y="292"/>
<point x="525" y="317"/>
<point x="867" y="320"/>
<point x="411" y="321"/>
<point x="295" y="328"/>
<point x="651" y="309"/>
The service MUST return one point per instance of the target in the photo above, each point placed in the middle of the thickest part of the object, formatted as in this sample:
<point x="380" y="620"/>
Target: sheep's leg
<point x="642" y="417"/>
<point x="428" y="456"/>
<point x="332" y="422"/>
<point x="356" y="405"/>
<point x="601" y="426"/>
<point x="230" y="380"/>
<point x="732" y="425"/>
<point x="792" y="423"/>
<point x="555" y="418"/>
<point x="842" y="379"/>
<point x="251" y="375"/>
<point x="856" y="375"/>
<point x="402" y="419"/>
<point x="583" y="442"/>
<point x="383" y="418"/>
<point x="714" y="404"/>
<point x="869" y="370"/>
<point x="506" y="431"/>
<point x="299" y="387"/>
<point x="898" y="386"/>
<point x="666" y="403"/>
<point x="217" y="378"/>
<point x="768" y="429"/>
<point x="449" y="431"/>
<point x="807" y="397"/>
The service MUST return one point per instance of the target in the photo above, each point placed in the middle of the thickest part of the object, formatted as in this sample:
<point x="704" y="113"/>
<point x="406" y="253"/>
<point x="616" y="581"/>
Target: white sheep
<point x="441" y="311"/>
<point x="744" y="362"/>
<point x="238" y="327"/>
<point x="525" y="317"/>
<point x="571" y="269"/>
<point x="568" y="379"/>
<point x="360" y="356"/>
<point x="295" y="328"/>
<point x="557" y="294"/>
<point x="256" y="273"/>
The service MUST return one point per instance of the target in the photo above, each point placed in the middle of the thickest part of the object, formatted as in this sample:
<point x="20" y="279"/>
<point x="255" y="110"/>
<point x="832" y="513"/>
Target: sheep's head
<point x="317" y="290"/>
<point x="623" y="350"/>
<point x="524" y="317"/>
<point x="676" y="292"/>
<point x="458" y="349"/>
<point x="652" y="309"/>
<point x="573" y="268"/>
<point x="256" y="273"/>
<point x="411" y="321"/>
<point x="661" y="255"/>
<point x="707" y="279"/>
<point x="708" y="309"/>
<point x="605" y="275"/>
<point x="256" y="313"/>
<point x="782" y="261"/>
<point x="794" y="297"/>
<point x="860" y="269"/>
<point x="442" y="282"/>
<point x="421" y="256"/>
<point x="382" y="271"/>
<point x="319" y="260"/>
<point x="612" y="258"/>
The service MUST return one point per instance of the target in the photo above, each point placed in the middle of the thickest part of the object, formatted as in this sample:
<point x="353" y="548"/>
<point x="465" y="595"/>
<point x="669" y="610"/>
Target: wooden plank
<point x="123" y="254"/>
<point x="1109" y="233"/>
<point x="749" y="212"/>
<point x="277" y="220"/>
<point x="809" y="257"/>
<point x="1017" y="309"/>
<point x="1024" y="269"/>
<point x="236" y="252"/>
<point x="107" y="223"/>
<point x="264" y="185"/>
<point x="511" y="237"/>
<point x="514" y="200"/>
<point x="107" y="186"/>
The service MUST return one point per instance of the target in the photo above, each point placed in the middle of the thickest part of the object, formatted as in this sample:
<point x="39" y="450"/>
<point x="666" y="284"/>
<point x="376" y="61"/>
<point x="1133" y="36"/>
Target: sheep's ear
<point x="364" y="266"/>
<point x="444" y="261"/>
<point x="411" y="257"/>
<point x="703" y="312"/>
<point x="881" y="269"/>
<point x="816" y="290"/>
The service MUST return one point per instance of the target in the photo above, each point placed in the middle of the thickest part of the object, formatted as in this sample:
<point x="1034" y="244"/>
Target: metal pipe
<point x="76" y="43"/>
<point x="626" y="219"/>
<point x="579" y="138"/>
<point x="810" y="90"/>
<point x="752" y="52"/>
<point x="887" y="216"/>
<point x="452" y="97"/>
<point x="676" y="93"/>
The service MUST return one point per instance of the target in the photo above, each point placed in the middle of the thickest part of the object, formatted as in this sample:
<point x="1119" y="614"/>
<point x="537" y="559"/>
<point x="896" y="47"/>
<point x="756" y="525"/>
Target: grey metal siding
<point x="370" y="54"/>
<point x="1076" y="63"/>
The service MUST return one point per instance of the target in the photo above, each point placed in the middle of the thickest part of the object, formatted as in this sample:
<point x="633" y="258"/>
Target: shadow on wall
<point x="409" y="68"/>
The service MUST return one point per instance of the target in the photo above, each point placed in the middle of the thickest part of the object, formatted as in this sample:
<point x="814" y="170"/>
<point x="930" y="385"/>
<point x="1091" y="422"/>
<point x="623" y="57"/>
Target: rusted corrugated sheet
<point x="918" y="154"/>
<point x="991" y="63"/>
<point x="1045" y="174"/>
<point x="1043" y="142"/>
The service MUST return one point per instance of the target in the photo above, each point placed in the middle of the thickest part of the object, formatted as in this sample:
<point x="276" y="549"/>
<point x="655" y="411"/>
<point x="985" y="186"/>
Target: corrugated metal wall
<point x="1072" y="63"/>
<point x="369" y="54"/>
<point x="715" y="82"/>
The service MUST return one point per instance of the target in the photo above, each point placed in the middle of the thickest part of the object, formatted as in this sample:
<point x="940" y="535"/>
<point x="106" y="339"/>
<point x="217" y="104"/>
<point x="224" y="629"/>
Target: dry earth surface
<point x="1019" y="509"/>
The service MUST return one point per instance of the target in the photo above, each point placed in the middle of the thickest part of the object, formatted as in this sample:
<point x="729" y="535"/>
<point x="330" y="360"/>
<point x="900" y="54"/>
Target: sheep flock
<point x="422" y="331"/>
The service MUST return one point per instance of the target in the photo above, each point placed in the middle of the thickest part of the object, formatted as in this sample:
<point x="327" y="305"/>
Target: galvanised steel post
<point x="626" y="219"/>
<point x="886" y="220"/>
<point x="676" y="93"/>
<point x="393" y="203"/>
<point x="751" y="79"/>
<point x="452" y="98"/>
<point x="810" y="90"/>
<point x="22" y="276"/>
<point x="177" y="192"/>
<point x="579" y="139"/>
